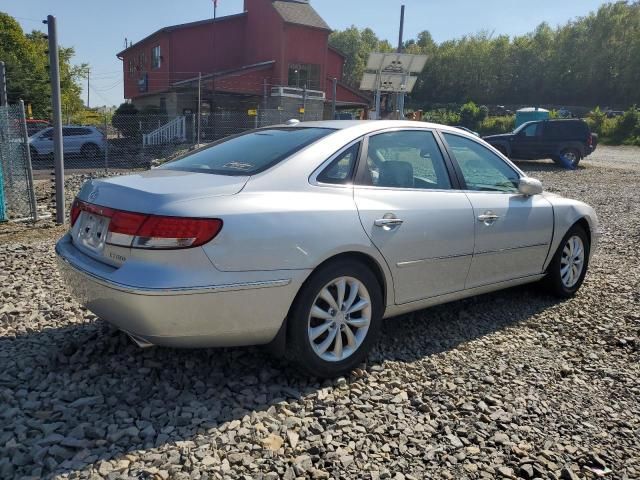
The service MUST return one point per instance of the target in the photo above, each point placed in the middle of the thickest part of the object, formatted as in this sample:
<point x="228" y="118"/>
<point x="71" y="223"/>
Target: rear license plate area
<point x="91" y="232"/>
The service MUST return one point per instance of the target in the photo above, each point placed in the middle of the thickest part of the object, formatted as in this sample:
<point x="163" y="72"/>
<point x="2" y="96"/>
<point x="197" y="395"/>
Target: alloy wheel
<point x="572" y="261"/>
<point x="339" y="319"/>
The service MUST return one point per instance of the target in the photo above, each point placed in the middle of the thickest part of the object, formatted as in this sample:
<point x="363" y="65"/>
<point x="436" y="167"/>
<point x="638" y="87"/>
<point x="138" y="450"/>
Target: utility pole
<point x="58" y="151"/>
<point x="3" y="85"/>
<point x="400" y="97"/>
<point x="88" y="75"/>
<point x="199" y="104"/>
<point x="334" y="92"/>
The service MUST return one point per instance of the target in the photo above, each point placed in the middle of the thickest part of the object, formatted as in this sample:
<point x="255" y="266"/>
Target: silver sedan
<point x="306" y="236"/>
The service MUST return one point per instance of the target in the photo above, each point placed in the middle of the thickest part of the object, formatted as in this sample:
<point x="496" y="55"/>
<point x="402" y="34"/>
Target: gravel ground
<point x="509" y="385"/>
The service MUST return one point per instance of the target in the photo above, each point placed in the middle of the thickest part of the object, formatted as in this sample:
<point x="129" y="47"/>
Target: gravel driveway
<point x="509" y="385"/>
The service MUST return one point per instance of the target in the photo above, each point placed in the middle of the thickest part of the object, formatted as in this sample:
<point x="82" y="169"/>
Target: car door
<point x="414" y="213"/>
<point x="512" y="231"/>
<point x="43" y="142"/>
<point x="528" y="142"/>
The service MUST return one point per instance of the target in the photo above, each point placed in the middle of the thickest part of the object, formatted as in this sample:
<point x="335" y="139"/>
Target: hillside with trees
<point x="592" y="60"/>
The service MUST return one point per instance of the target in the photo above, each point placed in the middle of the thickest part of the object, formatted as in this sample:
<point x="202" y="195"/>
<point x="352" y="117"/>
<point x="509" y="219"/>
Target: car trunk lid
<point x="154" y="192"/>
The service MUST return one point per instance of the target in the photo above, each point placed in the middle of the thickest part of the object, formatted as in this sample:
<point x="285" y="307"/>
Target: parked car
<point x="305" y="236"/>
<point x="87" y="141"/>
<point x="614" y="113"/>
<point x="468" y="130"/>
<point x="565" y="141"/>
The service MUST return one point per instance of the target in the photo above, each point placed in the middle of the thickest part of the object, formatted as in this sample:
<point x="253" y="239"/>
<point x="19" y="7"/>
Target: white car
<point x="86" y="141"/>
<point x="307" y="235"/>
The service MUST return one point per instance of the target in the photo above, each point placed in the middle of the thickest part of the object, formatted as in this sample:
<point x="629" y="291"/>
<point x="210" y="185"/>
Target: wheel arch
<point x="278" y="344"/>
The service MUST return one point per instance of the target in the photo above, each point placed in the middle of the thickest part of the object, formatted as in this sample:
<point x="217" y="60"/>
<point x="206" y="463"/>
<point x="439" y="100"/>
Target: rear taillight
<point x="173" y="232"/>
<point x="590" y="140"/>
<point x="75" y="211"/>
<point x="139" y="230"/>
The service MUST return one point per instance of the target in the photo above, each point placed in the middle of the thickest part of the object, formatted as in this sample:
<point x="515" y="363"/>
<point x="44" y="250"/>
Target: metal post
<point x="106" y="144"/>
<point x="304" y="102"/>
<point x="333" y="100"/>
<point x="199" y="104"/>
<point x="400" y="96"/>
<point x="88" y="86"/>
<point x="29" y="171"/>
<point x="3" y="85"/>
<point x="378" y="94"/>
<point x="58" y="151"/>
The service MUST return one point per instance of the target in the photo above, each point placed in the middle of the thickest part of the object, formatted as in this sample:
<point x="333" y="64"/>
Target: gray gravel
<point x="508" y="385"/>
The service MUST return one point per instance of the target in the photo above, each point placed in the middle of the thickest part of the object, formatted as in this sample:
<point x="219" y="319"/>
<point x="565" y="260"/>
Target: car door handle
<point x="488" y="218"/>
<point x="388" y="222"/>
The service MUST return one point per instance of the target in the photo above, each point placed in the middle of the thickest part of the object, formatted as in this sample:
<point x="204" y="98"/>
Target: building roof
<point x="182" y="25"/>
<point x="299" y="12"/>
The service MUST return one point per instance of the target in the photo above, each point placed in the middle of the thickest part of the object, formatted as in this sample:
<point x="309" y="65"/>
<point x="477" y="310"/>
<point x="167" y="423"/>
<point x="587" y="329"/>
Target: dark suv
<point x="565" y="141"/>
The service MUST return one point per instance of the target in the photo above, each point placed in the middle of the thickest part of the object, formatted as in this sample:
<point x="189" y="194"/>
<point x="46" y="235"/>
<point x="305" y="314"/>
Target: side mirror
<point x="529" y="186"/>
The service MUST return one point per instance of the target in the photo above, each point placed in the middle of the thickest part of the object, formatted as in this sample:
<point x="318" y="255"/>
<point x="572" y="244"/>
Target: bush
<point x="618" y="130"/>
<point x="470" y="115"/>
<point x="125" y="119"/>
<point x="442" y="116"/>
<point x="496" y="125"/>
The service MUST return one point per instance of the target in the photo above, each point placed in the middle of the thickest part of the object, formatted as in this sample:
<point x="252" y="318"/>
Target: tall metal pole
<point x="3" y="85"/>
<point x="400" y="96"/>
<point x="28" y="168"/>
<point x="88" y="86"/>
<point x="199" y="104"/>
<point x="58" y="151"/>
<point x="334" y="92"/>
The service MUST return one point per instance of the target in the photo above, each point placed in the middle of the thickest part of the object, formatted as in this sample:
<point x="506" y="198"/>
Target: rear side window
<point x="405" y="159"/>
<point x="250" y="153"/>
<point x="567" y="130"/>
<point x="340" y="171"/>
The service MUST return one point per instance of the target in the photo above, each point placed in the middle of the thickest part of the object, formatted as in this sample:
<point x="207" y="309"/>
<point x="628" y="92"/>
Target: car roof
<point x="369" y="125"/>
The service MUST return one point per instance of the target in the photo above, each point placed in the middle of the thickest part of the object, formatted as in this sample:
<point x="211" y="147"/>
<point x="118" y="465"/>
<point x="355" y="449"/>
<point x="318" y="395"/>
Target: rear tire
<point x="335" y="319"/>
<point x="568" y="158"/>
<point x="569" y="265"/>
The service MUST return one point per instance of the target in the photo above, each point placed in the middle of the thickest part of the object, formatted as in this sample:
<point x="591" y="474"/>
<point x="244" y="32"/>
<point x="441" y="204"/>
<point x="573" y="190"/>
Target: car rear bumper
<point x="228" y="314"/>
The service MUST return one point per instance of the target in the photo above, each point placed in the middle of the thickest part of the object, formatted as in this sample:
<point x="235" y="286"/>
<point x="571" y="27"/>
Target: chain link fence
<point x="17" y="196"/>
<point x="141" y="141"/>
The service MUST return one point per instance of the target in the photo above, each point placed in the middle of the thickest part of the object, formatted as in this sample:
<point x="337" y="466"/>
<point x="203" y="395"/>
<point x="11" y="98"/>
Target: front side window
<point x="482" y="169"/>
<point x="405" y="159"/>
<point x="156" y="58"/>
<point x="250" y="153"/>
<point x="532" y="130"/>
<point x="339" y="172"/>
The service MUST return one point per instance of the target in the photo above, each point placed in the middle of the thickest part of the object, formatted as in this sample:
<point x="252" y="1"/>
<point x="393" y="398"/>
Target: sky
<point x="97" y="30"/>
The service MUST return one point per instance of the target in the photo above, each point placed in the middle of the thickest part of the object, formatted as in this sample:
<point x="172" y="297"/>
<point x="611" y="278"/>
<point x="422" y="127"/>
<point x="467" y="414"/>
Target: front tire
<point x="335" y="319"/>
<point x="569" y="265"/>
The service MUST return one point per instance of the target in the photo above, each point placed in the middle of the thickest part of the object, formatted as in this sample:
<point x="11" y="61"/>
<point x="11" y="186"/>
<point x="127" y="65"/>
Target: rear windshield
<point x="250" y="153"/>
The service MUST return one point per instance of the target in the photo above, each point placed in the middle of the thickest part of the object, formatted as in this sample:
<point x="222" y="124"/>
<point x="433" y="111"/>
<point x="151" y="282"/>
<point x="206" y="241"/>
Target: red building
<point x="275" y="55"/>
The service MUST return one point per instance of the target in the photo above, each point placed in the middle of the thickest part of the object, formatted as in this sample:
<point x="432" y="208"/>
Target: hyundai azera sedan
<point x="306" y="235"/>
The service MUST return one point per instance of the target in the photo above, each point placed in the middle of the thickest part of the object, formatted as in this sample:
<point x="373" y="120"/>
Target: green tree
<point x="27" y="72"/>
<point x="357" y="44"/>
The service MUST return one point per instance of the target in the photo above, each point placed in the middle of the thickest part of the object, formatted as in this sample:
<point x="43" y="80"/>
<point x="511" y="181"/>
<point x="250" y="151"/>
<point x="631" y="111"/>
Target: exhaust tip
<point x="141" y="342"/>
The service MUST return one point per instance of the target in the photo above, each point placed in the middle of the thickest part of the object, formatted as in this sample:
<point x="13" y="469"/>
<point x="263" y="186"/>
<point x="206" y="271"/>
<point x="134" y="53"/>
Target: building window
<point x="156" y="58"/>
<point x="131" y="68"/>
<point x="303" y="75"/>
